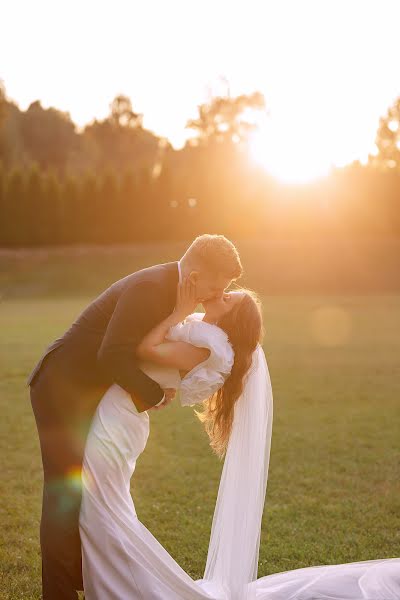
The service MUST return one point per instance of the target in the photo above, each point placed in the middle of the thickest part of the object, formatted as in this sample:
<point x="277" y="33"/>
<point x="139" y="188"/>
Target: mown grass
<point x="333" y="491"/>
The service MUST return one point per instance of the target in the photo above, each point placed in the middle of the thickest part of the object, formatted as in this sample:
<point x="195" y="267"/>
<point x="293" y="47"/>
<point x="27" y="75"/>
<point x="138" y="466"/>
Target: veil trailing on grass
<point x="232" y="559"/>
<point x="122" y="559"/>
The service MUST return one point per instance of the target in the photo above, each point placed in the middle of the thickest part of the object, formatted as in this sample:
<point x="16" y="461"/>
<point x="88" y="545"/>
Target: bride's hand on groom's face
<point x="186" y="300"/>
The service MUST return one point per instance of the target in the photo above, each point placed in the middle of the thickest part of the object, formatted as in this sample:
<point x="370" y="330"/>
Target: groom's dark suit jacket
<point x="99" y="347"/>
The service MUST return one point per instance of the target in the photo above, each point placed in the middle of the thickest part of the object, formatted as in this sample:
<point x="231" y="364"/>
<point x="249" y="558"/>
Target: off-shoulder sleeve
<point x="207" y="377"/>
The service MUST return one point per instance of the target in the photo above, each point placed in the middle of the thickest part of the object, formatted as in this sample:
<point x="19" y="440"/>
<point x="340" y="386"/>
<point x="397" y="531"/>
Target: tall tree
<point x="119" y="141"/>
<point x="35" y="209"/>
<point x="14" y="233"/>
<point x="126" y="208"/>
<point x="388" y="139"/>
<point x="53" y="217"/>
<point x="226" y="118"/>
<point x="106" y="214"/>
<point x="122" y="114"/>
<point x="89" y="202"/>
<point x="70" y="201"/>
<point x="2" y="102"/>
<point x="49" y="136"/>
<point x="3" y="207"/>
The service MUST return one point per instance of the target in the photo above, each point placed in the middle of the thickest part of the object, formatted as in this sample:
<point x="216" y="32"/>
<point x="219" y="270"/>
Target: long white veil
<point x="232" y="559"/>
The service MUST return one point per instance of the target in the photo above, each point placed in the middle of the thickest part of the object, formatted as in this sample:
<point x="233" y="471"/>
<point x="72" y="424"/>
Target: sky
<point x="328" y="68"/>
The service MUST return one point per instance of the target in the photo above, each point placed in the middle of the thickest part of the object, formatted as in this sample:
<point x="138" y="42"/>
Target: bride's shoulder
<point x="200" y="333"/>
<point x="197" y="326"/>
<point x="196" y="316"/>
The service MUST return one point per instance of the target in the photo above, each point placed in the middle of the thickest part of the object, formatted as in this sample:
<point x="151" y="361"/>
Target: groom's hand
<point x="169" y="396"/>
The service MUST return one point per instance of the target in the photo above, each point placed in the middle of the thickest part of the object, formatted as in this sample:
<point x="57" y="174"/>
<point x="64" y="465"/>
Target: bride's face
<point x="217" y="308"/>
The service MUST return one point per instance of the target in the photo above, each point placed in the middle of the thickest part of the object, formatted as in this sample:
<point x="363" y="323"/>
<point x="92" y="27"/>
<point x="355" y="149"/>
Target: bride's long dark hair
<point x="244" y="326"/>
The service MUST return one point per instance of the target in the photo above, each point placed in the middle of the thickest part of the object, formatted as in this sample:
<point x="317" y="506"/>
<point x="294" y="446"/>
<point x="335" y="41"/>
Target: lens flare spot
<point x="73" y="477"/>
<point x="331" y="325"/>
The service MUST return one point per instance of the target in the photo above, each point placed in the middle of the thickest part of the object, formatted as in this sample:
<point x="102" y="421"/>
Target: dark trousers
<point x="63" y="415"/>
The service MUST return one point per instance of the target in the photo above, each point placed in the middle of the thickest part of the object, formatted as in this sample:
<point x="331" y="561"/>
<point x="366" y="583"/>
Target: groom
<point x="75" y="371"/>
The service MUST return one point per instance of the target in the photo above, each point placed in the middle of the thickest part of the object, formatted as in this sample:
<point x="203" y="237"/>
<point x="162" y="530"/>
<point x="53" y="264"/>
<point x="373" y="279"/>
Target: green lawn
<point x="333" y="492"/>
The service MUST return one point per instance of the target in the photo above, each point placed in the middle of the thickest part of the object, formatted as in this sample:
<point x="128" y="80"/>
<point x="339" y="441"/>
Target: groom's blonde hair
<point x="215" y="254"/>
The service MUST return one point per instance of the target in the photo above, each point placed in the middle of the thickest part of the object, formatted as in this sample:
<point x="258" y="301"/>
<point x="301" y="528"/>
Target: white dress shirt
<point x="180" y="281"/>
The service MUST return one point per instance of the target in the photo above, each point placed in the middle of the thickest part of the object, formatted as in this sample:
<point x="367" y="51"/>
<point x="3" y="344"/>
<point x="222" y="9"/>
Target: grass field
<point x="334" y="489"/>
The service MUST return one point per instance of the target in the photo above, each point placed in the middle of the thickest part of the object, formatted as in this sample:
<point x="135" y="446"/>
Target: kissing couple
<point x="93" y="392"/>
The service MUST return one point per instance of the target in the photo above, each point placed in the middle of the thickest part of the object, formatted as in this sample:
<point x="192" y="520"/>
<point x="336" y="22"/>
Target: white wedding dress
<point x="122" y="560"/>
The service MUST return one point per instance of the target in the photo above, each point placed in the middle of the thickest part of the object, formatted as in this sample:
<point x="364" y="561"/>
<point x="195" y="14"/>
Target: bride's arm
<point x="181" y="355"/>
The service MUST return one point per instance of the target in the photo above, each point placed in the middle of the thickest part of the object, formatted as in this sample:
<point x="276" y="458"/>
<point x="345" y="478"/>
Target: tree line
<point x="38" y="208"/>
<point x="116" y="182"/>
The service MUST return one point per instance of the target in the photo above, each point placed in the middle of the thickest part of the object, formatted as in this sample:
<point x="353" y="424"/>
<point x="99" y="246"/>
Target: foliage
<point x="223" y="119"/>
<point x="48" y="135"/>
<point x="117" y="182"/>
<point x="14" y="227"/>
<point x="122" y="114"/>
<point x="3" y="101"/>
<point x="189" y="197"/>
<point x="388" y="139"/>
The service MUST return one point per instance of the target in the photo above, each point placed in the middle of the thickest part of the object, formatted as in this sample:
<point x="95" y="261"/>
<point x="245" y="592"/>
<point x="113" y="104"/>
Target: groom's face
<point x="209" y="286"/>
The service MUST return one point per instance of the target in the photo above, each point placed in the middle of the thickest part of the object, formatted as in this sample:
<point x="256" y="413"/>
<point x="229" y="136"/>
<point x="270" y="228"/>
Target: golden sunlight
<point x="296" y="162"/>
<point x="324" y="98"/>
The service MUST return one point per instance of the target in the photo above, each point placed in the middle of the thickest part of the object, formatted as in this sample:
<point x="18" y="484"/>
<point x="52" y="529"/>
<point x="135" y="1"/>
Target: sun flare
<point x="327" y="75"/>
<point x="292" y="163"/>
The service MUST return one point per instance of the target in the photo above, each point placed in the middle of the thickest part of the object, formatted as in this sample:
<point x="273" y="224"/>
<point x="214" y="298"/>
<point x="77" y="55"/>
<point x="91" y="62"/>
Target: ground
<point x="333" y="491"/>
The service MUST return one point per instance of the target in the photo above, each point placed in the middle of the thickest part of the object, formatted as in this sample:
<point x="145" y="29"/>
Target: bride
<point x="215" y="359"/>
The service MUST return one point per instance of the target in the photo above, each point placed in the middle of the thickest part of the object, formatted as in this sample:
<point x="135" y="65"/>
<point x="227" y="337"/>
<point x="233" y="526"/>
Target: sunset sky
<point x="328" y="68"/>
